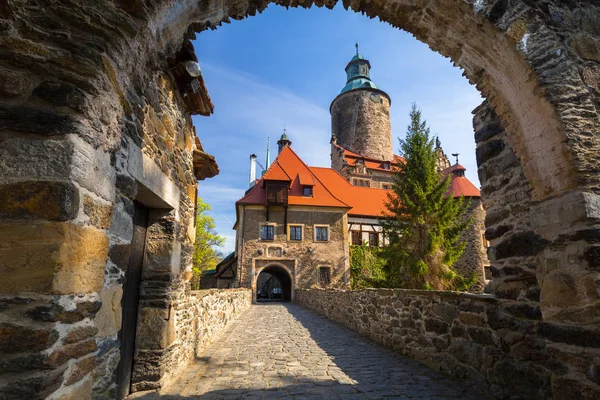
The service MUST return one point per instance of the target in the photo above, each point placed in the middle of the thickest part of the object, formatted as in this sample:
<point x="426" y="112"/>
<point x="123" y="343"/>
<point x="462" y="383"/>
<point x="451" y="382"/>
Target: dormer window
<point x="307" y="191"/>
<point x="386" y="165"/>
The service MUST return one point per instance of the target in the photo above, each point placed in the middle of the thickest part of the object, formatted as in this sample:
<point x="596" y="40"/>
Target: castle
<point x="296" y="223"/>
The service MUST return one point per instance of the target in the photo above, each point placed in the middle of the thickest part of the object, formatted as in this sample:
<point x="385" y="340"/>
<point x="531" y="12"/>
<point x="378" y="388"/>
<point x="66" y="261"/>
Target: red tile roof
<point x="459" y="184"/>
<point x="331" y="189"/>
<point x="289" y="164"/>
<point x="364" y="201"/>
<point x="371" y="163"/>
<point x="276" y="173"/>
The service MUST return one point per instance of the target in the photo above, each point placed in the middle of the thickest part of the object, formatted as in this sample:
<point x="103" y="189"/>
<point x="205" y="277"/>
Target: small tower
<point x="283" y="141"/>
<point x="360" y="114"/>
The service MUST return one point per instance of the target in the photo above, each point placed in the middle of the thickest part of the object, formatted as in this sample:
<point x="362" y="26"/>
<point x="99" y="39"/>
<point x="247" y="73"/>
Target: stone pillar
<point x="56" y="205"/>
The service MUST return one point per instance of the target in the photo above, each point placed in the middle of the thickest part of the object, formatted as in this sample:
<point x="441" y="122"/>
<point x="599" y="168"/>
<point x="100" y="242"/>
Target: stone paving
<point x="285" y="351"/>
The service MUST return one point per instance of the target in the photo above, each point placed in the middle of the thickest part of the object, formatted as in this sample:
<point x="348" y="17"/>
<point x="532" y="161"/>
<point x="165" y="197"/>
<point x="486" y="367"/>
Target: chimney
<point x="252" y="169"/>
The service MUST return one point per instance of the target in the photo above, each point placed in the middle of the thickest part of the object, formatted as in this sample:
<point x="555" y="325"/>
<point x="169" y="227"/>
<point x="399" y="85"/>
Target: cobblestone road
<point x="285" y="351"/>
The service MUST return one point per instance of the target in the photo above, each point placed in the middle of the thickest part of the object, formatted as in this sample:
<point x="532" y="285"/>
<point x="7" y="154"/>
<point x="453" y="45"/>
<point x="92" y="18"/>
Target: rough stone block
<point x="16" y="338"/>
<point x="54" y="201"/>
<point x="80" y="369"/>
<point x="35" y="159"/>
<point x="52" y="258"/>
<point x="57" y="313"/>
<point x="156" y="329"/>
<point x="160" y="258"/>
<point x="76" y="350"/>
<point x="108" y="318"/>
<point x="100" y="214"/>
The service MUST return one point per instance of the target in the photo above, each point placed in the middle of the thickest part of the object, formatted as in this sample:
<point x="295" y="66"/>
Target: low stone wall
<point x="502" y="347"/>
<point x="199" y="318"/>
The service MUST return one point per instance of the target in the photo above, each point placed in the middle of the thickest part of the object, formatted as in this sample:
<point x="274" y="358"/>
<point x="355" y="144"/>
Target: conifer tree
<point x="422" y="222"/>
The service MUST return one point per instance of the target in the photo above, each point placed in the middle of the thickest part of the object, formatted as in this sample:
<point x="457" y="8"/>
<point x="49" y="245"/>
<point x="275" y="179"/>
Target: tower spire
<point x="268" y="153"/>
<point x="356" y="44"/>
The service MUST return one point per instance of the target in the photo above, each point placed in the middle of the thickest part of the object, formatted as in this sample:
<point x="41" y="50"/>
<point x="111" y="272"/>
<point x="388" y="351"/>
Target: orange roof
<point x="371" y="163"/>
<point x="276" y="173"/>
<point x="289" y="164"/>
<point x="364" y="201"/>
<point x="459" y="184"/>
<point x="331" y="189"/>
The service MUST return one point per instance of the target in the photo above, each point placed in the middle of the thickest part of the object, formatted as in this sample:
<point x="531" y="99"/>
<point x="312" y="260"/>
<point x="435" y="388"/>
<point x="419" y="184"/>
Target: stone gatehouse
<point x="94" y="125"/>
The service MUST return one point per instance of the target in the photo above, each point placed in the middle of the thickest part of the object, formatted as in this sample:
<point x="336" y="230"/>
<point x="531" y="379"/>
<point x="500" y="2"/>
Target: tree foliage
<point x="367" y="268"/>
<point x="422" y="222"/>
<point x="206" y="253"/>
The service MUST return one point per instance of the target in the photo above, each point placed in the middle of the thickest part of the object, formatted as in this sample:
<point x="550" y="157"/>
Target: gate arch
<point x="285" y="277"/>
<point x="91" y="104"/>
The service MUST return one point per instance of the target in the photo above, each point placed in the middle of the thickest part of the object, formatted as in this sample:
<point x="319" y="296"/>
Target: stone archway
<point x="285" y="282"/>
<point x="87" y="99"/>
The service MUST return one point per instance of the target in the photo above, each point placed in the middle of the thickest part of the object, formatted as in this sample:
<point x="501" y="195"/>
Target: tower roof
<point x="358" y="73"/>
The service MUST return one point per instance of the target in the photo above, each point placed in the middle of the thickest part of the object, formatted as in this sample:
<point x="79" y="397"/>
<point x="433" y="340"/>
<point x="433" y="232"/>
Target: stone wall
<point x="474" y="258"/>
<point x="502" y="347"/>
<point x="90" y="122"/>
<point x="198" y="319"/>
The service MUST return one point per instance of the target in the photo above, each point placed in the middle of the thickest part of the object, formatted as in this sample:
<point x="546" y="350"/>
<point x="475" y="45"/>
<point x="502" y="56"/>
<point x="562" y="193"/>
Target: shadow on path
<point x="285" y="351"/>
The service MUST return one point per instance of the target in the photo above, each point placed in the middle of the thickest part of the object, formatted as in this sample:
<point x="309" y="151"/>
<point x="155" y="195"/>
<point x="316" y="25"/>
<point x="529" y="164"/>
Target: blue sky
<point x="284" y="67"/>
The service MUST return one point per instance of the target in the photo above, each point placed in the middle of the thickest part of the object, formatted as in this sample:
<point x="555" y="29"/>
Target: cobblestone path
<point x="285" y="351"/>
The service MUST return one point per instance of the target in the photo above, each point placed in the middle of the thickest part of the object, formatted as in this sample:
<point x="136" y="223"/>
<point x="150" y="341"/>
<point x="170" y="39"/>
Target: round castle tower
<point x="360" y="114"/>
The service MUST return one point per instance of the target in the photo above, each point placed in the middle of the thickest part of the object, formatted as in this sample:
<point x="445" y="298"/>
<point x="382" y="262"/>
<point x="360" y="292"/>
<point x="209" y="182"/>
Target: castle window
<point x="487" y="271"/>
<point x="373" y="239"/>
<point x="357" y="238"/>
<point x="385" y="187"/>
<point x="386" y="165"/>
<point x="267" y="232"/>
<point x="295" y="232"/>
<point x="354" y="182"/>
<point x="307" y="191"/>
<point x="321" y="233"/>
<point x="324" y="275"/>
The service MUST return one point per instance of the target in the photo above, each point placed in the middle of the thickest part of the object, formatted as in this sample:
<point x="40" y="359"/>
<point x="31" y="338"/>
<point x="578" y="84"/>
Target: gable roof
<point x="365" y="201"/>
<point x="330" y="189"/>
<point x="288" y="164"/>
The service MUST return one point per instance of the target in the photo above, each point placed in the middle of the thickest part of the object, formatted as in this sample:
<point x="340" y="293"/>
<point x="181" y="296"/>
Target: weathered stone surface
<point x="76" y="350"/>
<point x="80" y="369"/>
<point x="57" y="313"/>
<point x="57" y="258"/>
<point x="108" y="318"/>
<point x="489" y="343"/>
<point x="100" y="214"/>
<point x="54" y="201"/>
<point x="586" y="47"/>
<point x="79" y="334"/>
<point x="15" y="338"/>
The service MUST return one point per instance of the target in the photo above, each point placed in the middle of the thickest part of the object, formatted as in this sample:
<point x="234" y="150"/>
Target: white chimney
<point x="252" y="169"/>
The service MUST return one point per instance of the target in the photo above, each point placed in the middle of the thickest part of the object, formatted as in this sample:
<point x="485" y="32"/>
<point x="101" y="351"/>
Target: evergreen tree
<point x="206" y="253"/>
<point x="422" y="222"/>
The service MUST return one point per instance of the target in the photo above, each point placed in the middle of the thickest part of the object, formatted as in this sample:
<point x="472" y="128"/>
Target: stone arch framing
<point x="73" y="96"/>
<point x="280" y="267"/>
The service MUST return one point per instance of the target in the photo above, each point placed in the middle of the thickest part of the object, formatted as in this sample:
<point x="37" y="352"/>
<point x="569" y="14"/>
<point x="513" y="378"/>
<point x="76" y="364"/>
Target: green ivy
<point x="367" y="268"/>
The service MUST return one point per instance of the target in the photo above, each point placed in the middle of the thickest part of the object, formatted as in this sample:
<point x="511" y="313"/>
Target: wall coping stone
<point x="488" y="298"/>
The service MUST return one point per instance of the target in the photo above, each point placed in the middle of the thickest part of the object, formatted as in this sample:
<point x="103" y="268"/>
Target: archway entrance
<point x="273" y="284"/>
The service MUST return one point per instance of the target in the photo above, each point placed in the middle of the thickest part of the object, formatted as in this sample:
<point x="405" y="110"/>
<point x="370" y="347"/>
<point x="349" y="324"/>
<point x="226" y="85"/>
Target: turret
<point x="360" y="114"/>
<point x="283" y="141"/>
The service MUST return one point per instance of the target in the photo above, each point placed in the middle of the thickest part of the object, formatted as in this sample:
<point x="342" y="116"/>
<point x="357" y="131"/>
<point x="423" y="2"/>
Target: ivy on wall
<point x="367" y="268"/>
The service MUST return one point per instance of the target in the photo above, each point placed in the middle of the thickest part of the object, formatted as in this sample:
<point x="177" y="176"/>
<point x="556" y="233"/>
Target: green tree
<point x="206" y="253"/>
<point x="422" y="222"/>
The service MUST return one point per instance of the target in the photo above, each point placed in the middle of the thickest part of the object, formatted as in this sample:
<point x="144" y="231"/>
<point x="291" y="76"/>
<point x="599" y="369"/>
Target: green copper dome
<point x="358" y="73"/>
